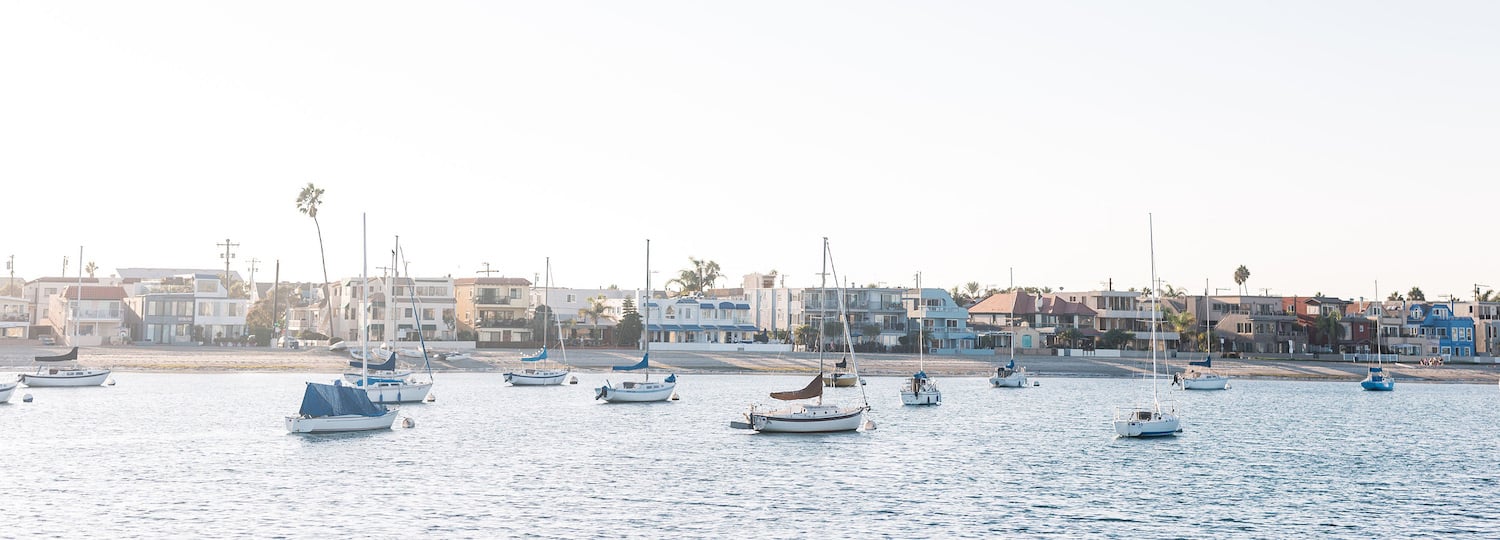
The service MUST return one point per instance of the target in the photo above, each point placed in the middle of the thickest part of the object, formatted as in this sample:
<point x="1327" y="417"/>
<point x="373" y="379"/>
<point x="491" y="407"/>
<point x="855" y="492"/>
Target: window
<point x="429" y="314"/>
<point x="572" y="298"/>
<point x="406" y="313"/>
<point x="515" y="294"/>
<point x="208" y="286"/>
<point x="205" y="309"/>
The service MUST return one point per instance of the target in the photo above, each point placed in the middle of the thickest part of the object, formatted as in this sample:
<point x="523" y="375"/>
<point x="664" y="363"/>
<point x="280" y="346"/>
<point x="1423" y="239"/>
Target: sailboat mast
<point x="78" y="303"/>
<point x="364" y="300"/>
<point x="822" y="311"/>
<point x="647" y="341"/>
<point x="1155" y="304"/>
<point x="921" y="362"/>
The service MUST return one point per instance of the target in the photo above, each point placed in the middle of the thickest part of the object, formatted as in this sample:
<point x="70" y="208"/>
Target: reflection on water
<point x="207" y="455"/>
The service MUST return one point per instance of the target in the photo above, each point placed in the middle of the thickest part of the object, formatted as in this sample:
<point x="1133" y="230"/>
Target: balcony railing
<point x="493" y="300"/>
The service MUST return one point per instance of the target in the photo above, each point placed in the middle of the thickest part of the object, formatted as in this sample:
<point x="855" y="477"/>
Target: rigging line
<point x="416" y="312"/>
<point x="848" y="339"/>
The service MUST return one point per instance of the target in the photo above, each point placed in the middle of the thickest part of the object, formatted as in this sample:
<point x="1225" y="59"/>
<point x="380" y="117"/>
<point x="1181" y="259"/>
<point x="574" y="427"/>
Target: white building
<point x="193" y="308"/>
<point x="398" y="309"/>
<point x="695" y="323"/>
<point x="88" y="316"/>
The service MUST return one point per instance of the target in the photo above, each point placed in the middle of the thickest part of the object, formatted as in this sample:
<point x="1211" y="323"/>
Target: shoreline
<point x="200" y="359"/>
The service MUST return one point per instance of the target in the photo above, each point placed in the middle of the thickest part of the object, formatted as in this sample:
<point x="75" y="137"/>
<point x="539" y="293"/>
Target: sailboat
<point x="638" y="391"/>
<point x="331" y="408"/>
<point x="840" y="378"/>
<point x="6" y="389"/>
<point x="1153" y="420"/>
<point x="394" y="388"/>
<point x="920" y="389"/>
<point x="541" y="376"/>
<point x="1376" y="379"/>
<point x="48" y="374"/>
<point x="384" y="370"/>
<point x="1008" y="376"/>
<point x="1206" y="378"/>
<point x="811" y="417"/>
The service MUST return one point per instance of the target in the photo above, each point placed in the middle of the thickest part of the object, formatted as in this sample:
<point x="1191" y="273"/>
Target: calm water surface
<point x="206" y="455"/>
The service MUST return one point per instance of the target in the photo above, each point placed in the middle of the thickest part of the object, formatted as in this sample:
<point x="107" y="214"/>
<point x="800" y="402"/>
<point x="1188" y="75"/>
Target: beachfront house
<point x="88" y="316"/>
<point x="944" y="324"/>
<point x="494" y="311"/>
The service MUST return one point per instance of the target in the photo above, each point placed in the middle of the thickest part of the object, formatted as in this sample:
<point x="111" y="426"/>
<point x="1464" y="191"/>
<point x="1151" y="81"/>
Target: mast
<point x="823" y="311"/>
<point x="921" y="363"/>
<point x="547" y="300"/>
<point x="1379" y="314"/>
<point x="843" y="312"/>
<point x="364" y="301"/>
<point x="78" y="305"/>
<point x="647" y="341"/>
<point x="1155" y="306"/>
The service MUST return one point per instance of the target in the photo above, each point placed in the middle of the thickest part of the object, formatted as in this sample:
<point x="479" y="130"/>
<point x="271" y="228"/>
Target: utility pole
<point x="1476" y="290"/>
<point x="227" y="256"/>
<point x="65" y="266"/>
<point x="486" y="270"/>
<point x="11" y="265"/>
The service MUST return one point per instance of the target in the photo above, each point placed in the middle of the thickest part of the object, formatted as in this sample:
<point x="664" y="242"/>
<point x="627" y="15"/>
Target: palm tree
<point x="699" y="278"/>
<point x="1241" y="275"/>
<point x="91" y="268"/>
<point x="308" y="202"/>
<point x="1394" y="296"/>
<point x="1184" y="323"/>
<point x="1489" y="296"/>
<point x="597" y="308"/>
<point x="1332" y="328"/>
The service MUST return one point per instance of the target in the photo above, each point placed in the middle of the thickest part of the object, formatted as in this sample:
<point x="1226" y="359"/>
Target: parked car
<point x="47" y="340"/>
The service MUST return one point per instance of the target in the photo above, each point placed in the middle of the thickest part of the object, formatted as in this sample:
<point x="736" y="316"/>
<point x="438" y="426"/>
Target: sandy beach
<point x="17" y="356"/>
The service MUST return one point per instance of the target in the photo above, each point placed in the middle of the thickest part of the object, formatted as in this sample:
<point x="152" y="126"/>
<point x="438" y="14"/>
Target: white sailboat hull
<point x="808" y="419"/>
<point x="355" y="376"/>
<point x="634" y="392"/>
<point x="841" y="380"/>
<point x="1142" y="422"/>
<point x="65" y="377"/>
<point x="336" y="424"/>
<point x="1014" y="380"/>
<point x="404" y="392"/>
<point x="6" y="389"/>
<point x="1205" y="382"/>
<point x="536" y="377"/>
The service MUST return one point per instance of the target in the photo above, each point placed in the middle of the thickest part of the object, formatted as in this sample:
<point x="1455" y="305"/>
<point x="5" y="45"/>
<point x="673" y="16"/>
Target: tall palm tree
<point x="1241" y="275"/>
<point x="308" y="201"/>
<point x="91" y="268"/>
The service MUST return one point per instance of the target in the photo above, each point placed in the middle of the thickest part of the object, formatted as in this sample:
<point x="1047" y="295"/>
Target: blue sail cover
<point x="842" y="364"/>
<point x="643" y="364"/>
<point x="1208" y="361"/>
<point x="672" y="378"/>
<point x="1011" y="365"/>
<point x="337" y="400"/>
<point x="388" y="365"/>
<point x="539" y="356"/>
<point x="920" y="375"/>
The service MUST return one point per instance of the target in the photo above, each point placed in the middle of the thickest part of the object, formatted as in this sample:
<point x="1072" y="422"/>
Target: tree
<point x="1394" y="296"/>
<point x="1489" y="296"/>
<point x="260" y="321"/>
<point x="629" y="330"/>
<point x="308" y="201"/>
<point x="1241" y="275"/>
<point x="871" y="332"/>
<point x="700" y="278"/>
<point x="91" y="268"/>
<point x="596" y="310"/>
<point x="1116" y="338"/>
<point x="544" y="324"/>
<point x="1069" y="336"/>
<point x="806" y="335"/>
<point x="1331" y="327"/>
<point x="1168" y="291"/>
<point x="1415" y="294"/>
<point x="1185" y="324"/>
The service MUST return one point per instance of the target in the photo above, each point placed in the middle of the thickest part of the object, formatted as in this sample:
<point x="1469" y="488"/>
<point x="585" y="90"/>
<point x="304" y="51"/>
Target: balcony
<point x="510" y="323"/>
<point x="495" y="301"/>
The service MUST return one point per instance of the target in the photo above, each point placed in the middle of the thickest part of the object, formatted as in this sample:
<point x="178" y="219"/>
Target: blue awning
<point x="746" y="328"/>
<point x="742" y="306"/>
<point x="664" y="328"/>
<point x="691" y="328"/>
<point x="727" y="305"/>
<point x="706" y="306"/>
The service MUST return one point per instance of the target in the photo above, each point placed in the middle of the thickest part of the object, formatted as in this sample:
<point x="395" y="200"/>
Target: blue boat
<point x="1377" y="380"/>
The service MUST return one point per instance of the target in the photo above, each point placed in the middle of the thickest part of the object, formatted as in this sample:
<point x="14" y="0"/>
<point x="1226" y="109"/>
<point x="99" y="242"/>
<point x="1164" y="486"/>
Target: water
<point x="206" y="455"/>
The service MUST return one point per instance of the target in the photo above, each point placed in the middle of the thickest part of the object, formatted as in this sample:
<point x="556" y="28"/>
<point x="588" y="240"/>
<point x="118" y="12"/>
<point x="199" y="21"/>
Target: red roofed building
<point x="494" y="309"/>
<point x="88" y="316"/>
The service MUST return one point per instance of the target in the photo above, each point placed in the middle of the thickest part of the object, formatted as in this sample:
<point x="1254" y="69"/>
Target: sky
<point x="1326" y="146"/>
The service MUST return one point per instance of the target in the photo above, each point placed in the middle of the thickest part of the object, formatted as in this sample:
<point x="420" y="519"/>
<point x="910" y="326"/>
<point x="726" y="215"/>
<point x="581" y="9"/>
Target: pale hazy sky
<point x="1324" y="145"/>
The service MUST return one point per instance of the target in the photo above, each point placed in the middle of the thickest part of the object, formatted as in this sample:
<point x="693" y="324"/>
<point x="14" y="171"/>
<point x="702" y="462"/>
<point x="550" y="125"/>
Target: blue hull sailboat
<point x="1377" y="380"/>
